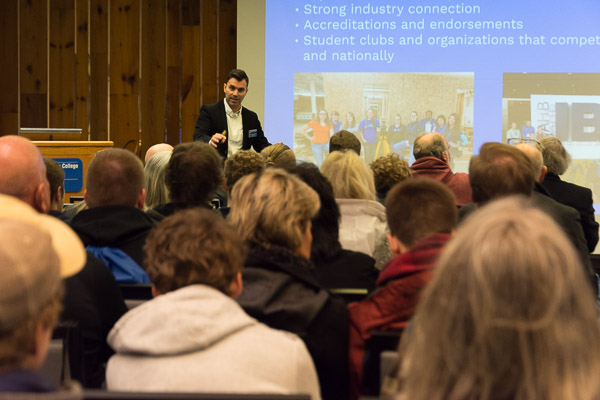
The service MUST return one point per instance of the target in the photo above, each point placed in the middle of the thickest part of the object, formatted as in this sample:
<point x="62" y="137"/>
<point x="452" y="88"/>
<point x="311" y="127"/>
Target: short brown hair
<point x="115" y="177"/>
<point x="193" y="246"/>
<point x="420" y="207"/>
<point x="16" y="344"/>
<point x="500" y="170"/>
<point x="344" y="140"/>
<point x="194" y="172"/>
<point x="279" y="155"/>
<point x="387" y="171"/>
<point x="273" y="207"/>
<point x="55" y="175"/>
<point x="242" y="163"/>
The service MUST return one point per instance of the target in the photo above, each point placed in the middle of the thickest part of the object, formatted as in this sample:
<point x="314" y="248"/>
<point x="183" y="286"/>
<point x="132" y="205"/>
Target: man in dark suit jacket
<point x="220" y="126"/>
<point x="556" y="160"/>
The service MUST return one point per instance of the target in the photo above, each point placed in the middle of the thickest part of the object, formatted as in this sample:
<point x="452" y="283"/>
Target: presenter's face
<point x="235" y="91"/>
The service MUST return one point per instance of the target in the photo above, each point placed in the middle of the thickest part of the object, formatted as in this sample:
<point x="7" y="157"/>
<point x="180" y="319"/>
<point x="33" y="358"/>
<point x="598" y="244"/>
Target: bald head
<point x="535" y="156"/>
<point x="157" y="148"/>
<point x="23" y="173"/>
<point x="431" y="145"/>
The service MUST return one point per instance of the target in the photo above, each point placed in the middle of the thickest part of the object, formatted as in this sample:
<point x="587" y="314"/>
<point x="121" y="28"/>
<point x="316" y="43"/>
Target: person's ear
<point x="141" y="199"/>
<point x="396" y="246"/>
<point x="543" y="174"/>
<point x="236" y="286"/>
<point x="41" y="198"/>
<point x="85" y="197"/>
<point x="155" y="292"/>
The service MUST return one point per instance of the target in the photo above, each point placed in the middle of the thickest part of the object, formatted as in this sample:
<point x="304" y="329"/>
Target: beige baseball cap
<point x="36" y="252"/>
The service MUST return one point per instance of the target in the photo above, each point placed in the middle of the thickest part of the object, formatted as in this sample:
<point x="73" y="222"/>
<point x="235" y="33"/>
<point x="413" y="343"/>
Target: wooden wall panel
<point x="62" y="64"/>
<point x="154" y="72"/>
<point x="190" y="67"/>
<point x="173" y="106"/>
<point x="124" y="72"/>
<point x="82" y="77"/>
<point x="34" y="63"/>
<point x="227" y="56"/>
<point x="111" y="66"/>
<point x="9" y="68"/>
<point x="98" y="25"/>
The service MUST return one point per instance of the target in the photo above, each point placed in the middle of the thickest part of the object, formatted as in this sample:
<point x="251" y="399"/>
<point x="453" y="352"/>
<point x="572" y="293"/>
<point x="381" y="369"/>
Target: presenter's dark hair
<point x="238" y="74"/>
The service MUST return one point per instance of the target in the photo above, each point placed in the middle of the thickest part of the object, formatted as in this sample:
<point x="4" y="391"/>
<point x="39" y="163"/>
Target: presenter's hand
<point x="217" y="138"/>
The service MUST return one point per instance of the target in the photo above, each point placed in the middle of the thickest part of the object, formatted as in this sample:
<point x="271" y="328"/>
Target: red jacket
<point x="434" y="168"/>
<point x="393" y="304"/>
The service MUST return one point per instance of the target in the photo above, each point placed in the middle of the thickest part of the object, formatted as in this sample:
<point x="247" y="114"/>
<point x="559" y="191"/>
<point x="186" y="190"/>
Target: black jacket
<point x="578" y="197"/>
<point x="281" y="291"/>
<point x="212" y="119"/>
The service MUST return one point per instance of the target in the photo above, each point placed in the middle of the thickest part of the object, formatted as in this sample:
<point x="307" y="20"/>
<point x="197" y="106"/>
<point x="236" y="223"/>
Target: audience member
<point x="193" y="175"/>
<point x="363" y="226"/>
<point x="37" y="251"/>
<point x="56" y="180"/>
<point x="272" y="212"/>
<point x="432" y="160"/>
<point x="507" y="315"/>
<point x="204" y="342"/>
<point x="155" y="169"/>
<point x="114" y="227"/>
<point x="388" y="171"/>
<point x="157" y="148"/>
<point x="502" y="170"/>
<point x="344" y="140"/>
<point x="421" y="214"/>
<point x="242" y="163"/>
<point x="336" y="268"/>
<point x="556" y="160"/>
<point x="279" y="155"/>
<point x="92" y="297"/>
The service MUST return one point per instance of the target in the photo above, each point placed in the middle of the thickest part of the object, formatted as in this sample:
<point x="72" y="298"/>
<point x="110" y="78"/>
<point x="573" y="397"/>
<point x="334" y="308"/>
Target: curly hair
<point x="194" y="246"/>
<point x="387" y="171"/>
<point x="242" y="163"/>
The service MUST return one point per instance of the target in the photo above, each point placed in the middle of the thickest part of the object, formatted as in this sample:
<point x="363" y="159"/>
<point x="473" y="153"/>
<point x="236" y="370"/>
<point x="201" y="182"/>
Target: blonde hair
<point x="154" y="179"/>
<point x="509" y="314"/>
<point x="349" y="176"/>
<point x="279" y="155"/>
<point x="272" y="207"/>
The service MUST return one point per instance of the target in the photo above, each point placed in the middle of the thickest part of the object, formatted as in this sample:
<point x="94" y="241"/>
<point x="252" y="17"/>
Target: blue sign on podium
<point x="73" y="168"/>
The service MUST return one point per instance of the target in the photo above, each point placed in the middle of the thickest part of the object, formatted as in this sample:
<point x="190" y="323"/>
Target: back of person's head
<point x="430" y="145"/>
<point x="500" y="170"/>
<point x="23" y="173"/>
<point x="344" y="140"/>
<point x="388" y="171"/>
<point x="556" y="157"/>
<point x="194" y="246"/>
<point x="273" y="207"/>
<point x="194" y="172"/>
<point x="115" y="177"/>
<point x="534" y="153"/>
<point x="156" y="148"/>
<point x="154" y="179"/>
<point x="326" y="224"/>
<point x="37" y="252"/>
<point x="509" y="314"/>
<point x="349" y="176"/>
<point x="56" y="179"/>
<point x="418" y="208"/>
<point x="242" y="163"/>
<point x="279" y="155"/>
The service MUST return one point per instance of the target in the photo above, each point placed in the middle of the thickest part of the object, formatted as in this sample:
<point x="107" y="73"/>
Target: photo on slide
<point x="563" y="105"/>
<point x="386" y="111"/>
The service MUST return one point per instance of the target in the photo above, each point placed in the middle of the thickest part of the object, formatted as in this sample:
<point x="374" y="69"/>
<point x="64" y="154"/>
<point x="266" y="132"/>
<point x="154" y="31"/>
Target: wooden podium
<point x="74" y="157"/>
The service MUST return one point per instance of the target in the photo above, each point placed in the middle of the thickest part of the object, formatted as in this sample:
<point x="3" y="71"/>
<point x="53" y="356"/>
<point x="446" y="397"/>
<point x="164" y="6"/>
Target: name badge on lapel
<point x="252" y="133"/>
